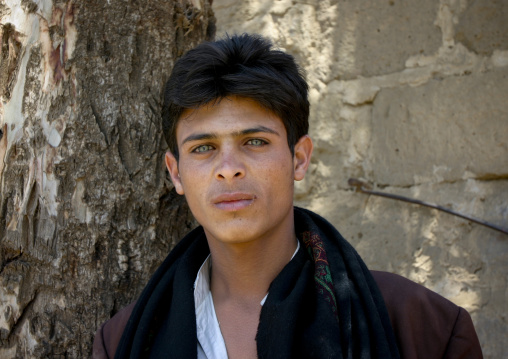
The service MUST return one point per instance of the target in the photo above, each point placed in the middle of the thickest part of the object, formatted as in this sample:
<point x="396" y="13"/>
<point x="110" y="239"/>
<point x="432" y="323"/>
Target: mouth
<point x="233" y="201"/>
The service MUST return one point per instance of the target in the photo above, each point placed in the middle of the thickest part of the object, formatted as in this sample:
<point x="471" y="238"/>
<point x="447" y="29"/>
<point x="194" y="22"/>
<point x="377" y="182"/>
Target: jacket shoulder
<point x="109" y="334"/>
<point x="426" y="324"/>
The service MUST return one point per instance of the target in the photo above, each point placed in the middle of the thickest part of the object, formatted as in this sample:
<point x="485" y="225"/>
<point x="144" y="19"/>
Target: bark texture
<point x="86" y="210"/>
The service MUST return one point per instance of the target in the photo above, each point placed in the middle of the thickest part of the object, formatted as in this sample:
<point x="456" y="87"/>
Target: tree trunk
<point x="86" y="209"/>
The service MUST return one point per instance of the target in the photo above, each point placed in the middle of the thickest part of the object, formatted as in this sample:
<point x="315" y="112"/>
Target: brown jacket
<point x="426" y="325"/>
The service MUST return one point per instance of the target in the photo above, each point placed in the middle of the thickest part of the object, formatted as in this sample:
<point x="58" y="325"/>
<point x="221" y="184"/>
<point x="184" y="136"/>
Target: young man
<point x="260" y="278"/>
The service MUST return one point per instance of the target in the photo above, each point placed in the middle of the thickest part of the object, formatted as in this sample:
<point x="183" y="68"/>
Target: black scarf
<point x="323" y="304"/>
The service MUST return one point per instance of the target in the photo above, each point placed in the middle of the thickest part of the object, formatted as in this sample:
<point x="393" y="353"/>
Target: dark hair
<point x="242" y="65"/>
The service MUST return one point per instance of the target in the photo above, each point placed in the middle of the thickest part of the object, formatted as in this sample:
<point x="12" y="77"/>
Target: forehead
<point x="230" y="115"/>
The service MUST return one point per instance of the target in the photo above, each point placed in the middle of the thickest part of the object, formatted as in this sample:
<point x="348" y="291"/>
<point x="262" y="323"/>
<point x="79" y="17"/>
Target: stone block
<point x="442" y="131"/>
<point x="376" y="37"/>
<point x="483" y="26"/>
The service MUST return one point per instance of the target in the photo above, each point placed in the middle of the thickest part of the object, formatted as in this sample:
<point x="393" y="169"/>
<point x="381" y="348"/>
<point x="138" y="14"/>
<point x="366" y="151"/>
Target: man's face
<point x="236" y="170"/>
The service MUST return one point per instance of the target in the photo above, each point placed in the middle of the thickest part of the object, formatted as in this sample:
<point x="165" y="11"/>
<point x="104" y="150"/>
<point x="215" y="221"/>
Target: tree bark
<point x="87" y="212"/>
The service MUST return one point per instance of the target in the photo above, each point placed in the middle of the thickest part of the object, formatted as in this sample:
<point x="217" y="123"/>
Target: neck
<point x="243" y="272"/>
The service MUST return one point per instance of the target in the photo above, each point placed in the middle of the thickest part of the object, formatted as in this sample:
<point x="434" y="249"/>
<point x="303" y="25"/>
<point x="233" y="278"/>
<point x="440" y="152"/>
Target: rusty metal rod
<point x="363" y="187"/>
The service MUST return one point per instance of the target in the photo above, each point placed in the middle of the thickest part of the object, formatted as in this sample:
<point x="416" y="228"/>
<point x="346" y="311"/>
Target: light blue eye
<point x="203" y="148"/>
<point x="256" y="142"/>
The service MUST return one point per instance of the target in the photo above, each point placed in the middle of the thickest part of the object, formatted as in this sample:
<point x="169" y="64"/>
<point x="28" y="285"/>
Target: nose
<point x="230" y="166"/>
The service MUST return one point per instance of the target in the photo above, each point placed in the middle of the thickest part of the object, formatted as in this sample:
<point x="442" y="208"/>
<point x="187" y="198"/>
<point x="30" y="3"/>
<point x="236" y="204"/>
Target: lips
<point x="233" y="201"/>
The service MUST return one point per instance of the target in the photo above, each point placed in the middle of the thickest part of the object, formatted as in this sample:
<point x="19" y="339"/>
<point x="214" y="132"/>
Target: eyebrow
<point x="213" y="136"/>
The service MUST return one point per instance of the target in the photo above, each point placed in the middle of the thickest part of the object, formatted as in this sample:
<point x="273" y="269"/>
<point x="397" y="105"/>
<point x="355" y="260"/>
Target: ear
<point x="303" y="153"/>
<point x="172" y="165"/>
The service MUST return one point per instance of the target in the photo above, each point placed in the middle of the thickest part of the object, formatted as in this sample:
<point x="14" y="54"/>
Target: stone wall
<point x="411" y="97"/>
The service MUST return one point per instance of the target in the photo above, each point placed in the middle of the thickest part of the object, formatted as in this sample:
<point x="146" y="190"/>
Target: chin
<point x="232" y="234"/>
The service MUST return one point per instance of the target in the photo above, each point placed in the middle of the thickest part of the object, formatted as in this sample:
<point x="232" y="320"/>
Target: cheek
<point x="191" y="181"/>
<point x="279" y="174"/>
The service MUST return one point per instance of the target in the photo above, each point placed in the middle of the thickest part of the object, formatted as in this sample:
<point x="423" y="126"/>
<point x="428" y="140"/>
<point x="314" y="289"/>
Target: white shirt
<point x="211" y="343"/>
